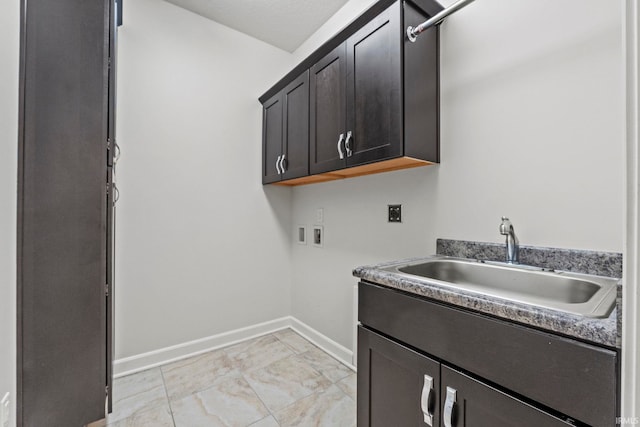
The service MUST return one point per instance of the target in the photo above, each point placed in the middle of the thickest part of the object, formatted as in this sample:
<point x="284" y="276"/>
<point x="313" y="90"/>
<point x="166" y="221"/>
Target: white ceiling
<point x="281" y="23"/>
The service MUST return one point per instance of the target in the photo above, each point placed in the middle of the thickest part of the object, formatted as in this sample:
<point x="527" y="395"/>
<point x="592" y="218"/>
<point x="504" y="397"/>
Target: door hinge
<point x="106" y="289"/>
<point x="106" y="391"/>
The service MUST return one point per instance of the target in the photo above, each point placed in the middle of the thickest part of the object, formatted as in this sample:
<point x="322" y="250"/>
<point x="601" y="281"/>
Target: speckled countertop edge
<point x="599" y="331"/>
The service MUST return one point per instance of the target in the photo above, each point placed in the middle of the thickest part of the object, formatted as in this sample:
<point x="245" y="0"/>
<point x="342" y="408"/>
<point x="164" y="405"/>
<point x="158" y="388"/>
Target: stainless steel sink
<point x="586" y="295"/>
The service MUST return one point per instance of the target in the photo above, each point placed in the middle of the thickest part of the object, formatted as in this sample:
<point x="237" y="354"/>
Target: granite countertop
<point x="599" y="331"/>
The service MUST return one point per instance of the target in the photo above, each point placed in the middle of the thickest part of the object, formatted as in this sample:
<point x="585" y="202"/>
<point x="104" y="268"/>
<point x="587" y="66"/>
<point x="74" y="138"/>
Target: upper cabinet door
<point x="295" y="149"/>
<point x="374" y="90"/>
<point x="272" y="139"/>
<point x="327" y="112"/>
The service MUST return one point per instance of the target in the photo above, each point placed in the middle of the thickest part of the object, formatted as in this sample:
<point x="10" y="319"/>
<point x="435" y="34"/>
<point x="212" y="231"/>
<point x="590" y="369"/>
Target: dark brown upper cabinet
<point x="373" y="97"/>
<point x="328" y="117"/>
<point x="356" y="115"/>
<point x="285" y="134"/>
<point x="374" y="90"/>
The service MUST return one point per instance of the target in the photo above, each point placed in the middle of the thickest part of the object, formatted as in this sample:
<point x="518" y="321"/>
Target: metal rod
<point x="412" y="32"/>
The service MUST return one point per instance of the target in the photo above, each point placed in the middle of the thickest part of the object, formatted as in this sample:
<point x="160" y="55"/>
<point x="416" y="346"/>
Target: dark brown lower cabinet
<point x="503" y="373"/>
<point x="467" y="402"/>
<point x="398" y="386"/>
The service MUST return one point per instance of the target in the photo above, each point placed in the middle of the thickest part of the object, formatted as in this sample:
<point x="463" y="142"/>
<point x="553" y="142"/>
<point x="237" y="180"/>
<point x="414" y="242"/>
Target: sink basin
<point x="586" y="295"/>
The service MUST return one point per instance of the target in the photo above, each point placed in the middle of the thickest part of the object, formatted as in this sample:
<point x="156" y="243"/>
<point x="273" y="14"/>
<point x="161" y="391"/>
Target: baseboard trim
<point x="331" y="347"/>
<point x="152" y="359"/>
<point x="141" y="362"/>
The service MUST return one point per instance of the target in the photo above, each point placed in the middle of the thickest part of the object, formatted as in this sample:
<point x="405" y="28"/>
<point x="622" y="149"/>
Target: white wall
<point x="202" y="247"/>
<point x="531" y="128"/>
<point x="9" y="45"/>
<point x="339" y="20"/>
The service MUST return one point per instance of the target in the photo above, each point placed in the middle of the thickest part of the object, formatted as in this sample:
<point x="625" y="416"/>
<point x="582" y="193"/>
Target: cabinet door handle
<point x="425" y="400"/>
<point x="283" y="165"/>
<point x="340" y="140"/>
<point x="116" y="152"/>
<point x="448" y="407"/>
<point x="278" y="165"/>
<point x="116" y="193"/>
<point x="347" y="144"/>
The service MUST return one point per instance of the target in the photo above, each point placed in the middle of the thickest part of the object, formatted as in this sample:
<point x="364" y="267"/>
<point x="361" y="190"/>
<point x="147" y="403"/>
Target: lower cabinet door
<point x="396" y="386"/>
<point x="467" y="402"/>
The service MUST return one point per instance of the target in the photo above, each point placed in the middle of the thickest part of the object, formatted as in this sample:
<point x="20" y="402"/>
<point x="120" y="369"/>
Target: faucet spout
<point x="506" y="229"/>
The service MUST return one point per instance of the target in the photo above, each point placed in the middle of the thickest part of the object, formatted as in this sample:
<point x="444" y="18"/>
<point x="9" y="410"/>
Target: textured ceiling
<point x="282" y="23"/>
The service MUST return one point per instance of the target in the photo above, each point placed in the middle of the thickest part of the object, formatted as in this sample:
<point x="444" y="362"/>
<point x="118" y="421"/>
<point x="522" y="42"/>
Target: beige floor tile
<point x="230" y="402"/>
<point x="257" y="353"/>
<point x="238" y="385"/>
<point x="285" y="381"/>
<point x="135" y="393"/>
<point x="329" y="408"/>
<point x="159" y="416"/>
<point x="266" y="422"/>
<point x="326" y="365"/>
<point x="196" y="373"/>
<point x="294" y="341"/>
<point x="349" y="385"/>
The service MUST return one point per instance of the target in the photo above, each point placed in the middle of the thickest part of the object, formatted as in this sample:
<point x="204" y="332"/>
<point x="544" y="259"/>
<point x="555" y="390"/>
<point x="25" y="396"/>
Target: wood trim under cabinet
<point x="368" y="169"/>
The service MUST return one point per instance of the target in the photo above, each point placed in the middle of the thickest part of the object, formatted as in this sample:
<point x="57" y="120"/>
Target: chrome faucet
<point x="506" y="229"/>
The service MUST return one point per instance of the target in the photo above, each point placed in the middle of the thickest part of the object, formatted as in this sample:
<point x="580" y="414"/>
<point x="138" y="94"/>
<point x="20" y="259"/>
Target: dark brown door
<point x="110" y="271"/>
<point x="112" y="154"/>
<point x="396" y="385"/>
<point x="327" y="112"/>
<point x="466" y="402"/>
<point x="62" y="212"/>
<point x="272" y="139"/>
<point x="296" y="128"/>
<point x="374" y="85"/>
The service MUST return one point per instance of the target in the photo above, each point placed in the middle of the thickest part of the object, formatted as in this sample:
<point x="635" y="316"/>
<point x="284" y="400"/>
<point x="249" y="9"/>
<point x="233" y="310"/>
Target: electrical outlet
<point x="5" y="407"/>
<point x="395" y="213"/>
<point x="320" y="215"/>
<point x="302" y="235"/>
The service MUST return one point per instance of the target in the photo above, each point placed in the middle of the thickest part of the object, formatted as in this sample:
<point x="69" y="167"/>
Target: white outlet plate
<point x="320" y="215"/>
<point x="5" y="408"/>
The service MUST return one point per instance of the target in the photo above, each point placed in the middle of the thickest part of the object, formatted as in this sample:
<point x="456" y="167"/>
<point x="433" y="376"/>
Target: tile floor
<point x="279" y="379"/>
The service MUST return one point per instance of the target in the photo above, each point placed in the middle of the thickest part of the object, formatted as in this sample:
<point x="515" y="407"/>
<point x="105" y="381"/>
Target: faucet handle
<point x="505" y="226"/>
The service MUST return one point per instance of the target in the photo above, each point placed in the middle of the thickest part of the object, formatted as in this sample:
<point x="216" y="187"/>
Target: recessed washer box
<point x="318" y="236"/>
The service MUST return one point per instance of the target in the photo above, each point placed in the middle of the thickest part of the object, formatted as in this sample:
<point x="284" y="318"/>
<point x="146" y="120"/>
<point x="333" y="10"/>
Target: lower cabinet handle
<point x="278" y="165"/>
<point x="340" y="140"/>
<point x="448" y="407"/>
<point x="425" y="400"/>
<point x="347" y="144"/>
<point x="283" y="165"/>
